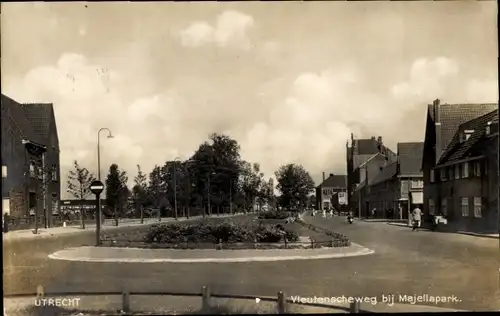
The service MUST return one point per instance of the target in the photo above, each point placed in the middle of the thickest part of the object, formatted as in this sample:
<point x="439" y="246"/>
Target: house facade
<point x="464" y="183"/>
<point x="358" y="152"/>
<point x="332" y="192"/>
<point x="367" y="173"/>
<point x="30" y="155"/>
<point x="398" y="187"/>
<point x="442" y="137"/>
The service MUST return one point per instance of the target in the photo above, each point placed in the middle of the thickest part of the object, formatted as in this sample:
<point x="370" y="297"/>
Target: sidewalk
<point x="451" y="231"/>
<point x="108" y="225"/>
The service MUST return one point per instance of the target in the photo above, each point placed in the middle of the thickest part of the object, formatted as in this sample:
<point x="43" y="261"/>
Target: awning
<point x="417" y="197"/>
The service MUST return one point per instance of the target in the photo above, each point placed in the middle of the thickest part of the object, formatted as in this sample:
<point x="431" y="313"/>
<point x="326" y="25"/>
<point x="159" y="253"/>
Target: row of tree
<point x="214" y="178"/>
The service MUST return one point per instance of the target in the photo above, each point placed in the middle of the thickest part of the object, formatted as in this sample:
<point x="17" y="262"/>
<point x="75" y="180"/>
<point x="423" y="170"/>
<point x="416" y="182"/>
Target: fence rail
<point x="282" y="303"/>
<point x="313" y="244"/>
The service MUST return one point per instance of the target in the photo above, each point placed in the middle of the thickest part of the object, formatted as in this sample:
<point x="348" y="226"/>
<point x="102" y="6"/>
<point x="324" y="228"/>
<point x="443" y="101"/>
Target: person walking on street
<point x="417" y="217"/>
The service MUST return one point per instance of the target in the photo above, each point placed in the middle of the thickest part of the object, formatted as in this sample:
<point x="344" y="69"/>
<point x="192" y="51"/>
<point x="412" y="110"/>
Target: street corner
<point x="138" y="255"/>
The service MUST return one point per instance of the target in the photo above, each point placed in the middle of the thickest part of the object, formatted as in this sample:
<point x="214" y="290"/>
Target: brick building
<point x="443" y="122"/>
<point x="358" y="152"/>
<point x="398" y="187"/>
<point x="30" y="154"/>
<point x="332" y="192"/>
<point x="367" y="173"/>
<point x="463" y="184"/>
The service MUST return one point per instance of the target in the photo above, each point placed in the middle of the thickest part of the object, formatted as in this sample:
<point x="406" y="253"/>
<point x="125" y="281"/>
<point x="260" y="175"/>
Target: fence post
<point x="205" y="298"/>
<point x="220" y="244"/>
<point x="354" y="308"/>
<point x="285" y="243"/>
<point x="126" y="302"/>
<point x="281" y="303"/>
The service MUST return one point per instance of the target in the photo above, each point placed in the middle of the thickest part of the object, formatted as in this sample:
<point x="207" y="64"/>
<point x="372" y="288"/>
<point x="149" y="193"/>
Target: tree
<point x="139" y="191"/>
<point x="116" y="191"/>
<point x="251" y="182"/>
<point x="295" y="184"/>
<point x="215" y="169"/>
<point x="79" y="180"/>
<point x="157" y="189"/>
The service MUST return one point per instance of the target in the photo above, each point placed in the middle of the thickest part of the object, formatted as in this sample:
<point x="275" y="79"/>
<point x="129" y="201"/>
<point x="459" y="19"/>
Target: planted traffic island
<point x="229" y="234"/>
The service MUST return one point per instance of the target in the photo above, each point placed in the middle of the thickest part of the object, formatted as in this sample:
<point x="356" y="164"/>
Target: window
<point x="477" y="207"/>
<point x="477" y="169"/>
<point x="432" y="208"/>
<point x="417" y="184"/>
<point x="465" y="170"/>
<point x="488" y="128"/>
<point x="442" y="173"/>
<point x="450" y="171"/>
<point x="431" y="175"/>
<point x="444" y="207"/>
<point x="465" y="207"/>
<point x="457" y="171"/>
<point x="54" y="173"/>
<point x="39" y="173"/>
<point x="32" y="170"/>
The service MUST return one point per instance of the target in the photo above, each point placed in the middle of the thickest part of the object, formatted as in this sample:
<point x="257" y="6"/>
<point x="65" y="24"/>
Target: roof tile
<point x="456" y="149"/>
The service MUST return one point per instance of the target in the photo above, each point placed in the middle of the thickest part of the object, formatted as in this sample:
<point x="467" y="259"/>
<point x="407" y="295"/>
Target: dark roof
<point x="410" y="157"/>
<point x="453" y="115"/>
<point x="386" y="173"/>
<point x="458" y="150"/>
<point x="40" y="117"/>
<point x="366" y="146"/>
<point x="335" y="181"/>
<point x="18" y="118"/>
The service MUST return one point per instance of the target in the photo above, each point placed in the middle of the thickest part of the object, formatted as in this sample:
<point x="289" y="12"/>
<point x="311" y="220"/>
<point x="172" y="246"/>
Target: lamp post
<point x="110" y="135"/>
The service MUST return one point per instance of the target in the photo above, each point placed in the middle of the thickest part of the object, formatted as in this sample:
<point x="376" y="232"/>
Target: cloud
<point x="427" y="78"/>
<point x="482" y="91"/>
<point x="87" y="97"/>
<point x="230" y="29"/>
<point x="305" y="118"/>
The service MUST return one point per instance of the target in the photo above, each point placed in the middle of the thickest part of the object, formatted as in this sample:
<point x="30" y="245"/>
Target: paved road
<point x="405" y="262"/>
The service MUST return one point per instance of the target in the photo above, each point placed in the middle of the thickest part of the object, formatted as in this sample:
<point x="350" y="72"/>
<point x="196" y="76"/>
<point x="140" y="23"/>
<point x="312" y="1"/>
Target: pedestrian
<point x="417" y="214"/>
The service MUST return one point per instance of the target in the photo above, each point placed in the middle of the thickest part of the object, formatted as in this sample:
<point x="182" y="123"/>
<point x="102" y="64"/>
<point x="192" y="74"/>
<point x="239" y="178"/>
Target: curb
<point x="361" y="252"/>
<point x="452" y="232"/>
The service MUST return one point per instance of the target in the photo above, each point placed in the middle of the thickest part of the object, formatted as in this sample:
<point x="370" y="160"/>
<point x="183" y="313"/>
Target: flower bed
<point x="226" y="234"/>
<point x="225" y="231"/>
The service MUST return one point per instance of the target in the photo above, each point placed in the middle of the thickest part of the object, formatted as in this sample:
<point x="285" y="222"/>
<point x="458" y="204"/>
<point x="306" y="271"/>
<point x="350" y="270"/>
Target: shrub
<point x="274" y="215"/>
<point x="225" y="231"/>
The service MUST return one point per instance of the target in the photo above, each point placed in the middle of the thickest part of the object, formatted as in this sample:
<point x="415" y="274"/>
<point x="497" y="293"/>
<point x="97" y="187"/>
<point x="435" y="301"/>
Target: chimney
<point x="373" y="137"/>
<point x="355" y="147"/>
<point x="437" y="122"/>
<point x="331" y="174"/>
<point x="352" y="137"/>
<point x="379" y="140"/>
<point x="323" y="176"/>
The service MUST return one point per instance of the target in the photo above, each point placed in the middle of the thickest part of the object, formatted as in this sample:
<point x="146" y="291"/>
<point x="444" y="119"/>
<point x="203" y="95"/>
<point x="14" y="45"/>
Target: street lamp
<point x="110" y="135"/>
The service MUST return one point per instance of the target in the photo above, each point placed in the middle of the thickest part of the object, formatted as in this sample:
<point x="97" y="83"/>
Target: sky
<point x="290" y="81"/>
